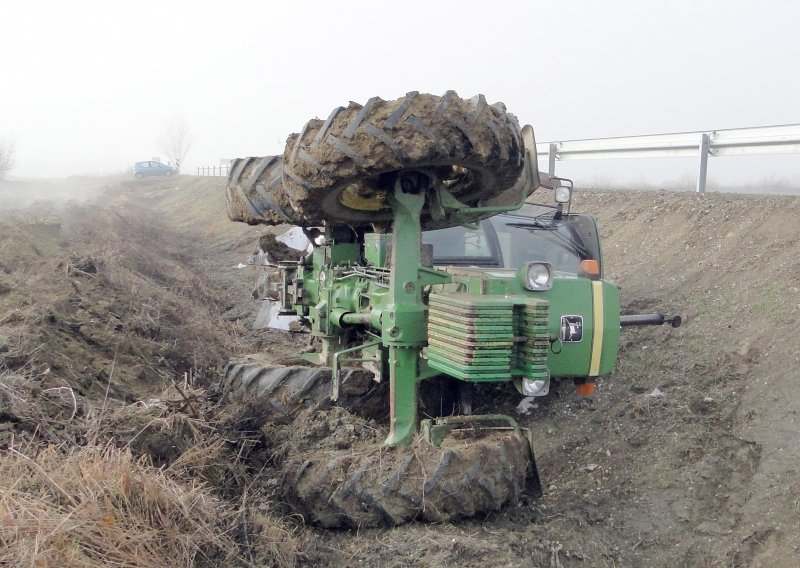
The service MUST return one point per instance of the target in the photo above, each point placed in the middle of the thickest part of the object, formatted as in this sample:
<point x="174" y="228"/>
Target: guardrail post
<point x="551" y="159"/>
<point x="701" y="178"/>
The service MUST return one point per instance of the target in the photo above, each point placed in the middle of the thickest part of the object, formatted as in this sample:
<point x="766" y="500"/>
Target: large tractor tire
<point x="343" y="168"/>
<point x="382" y="486"/>
<point x="255" y="192"/>
<point x="370" y="484"/>
<point x="281" y="391"/>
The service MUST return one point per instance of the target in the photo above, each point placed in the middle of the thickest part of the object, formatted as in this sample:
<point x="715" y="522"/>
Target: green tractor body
<point x="506" y="300"/>
<point x="433" y="266"/>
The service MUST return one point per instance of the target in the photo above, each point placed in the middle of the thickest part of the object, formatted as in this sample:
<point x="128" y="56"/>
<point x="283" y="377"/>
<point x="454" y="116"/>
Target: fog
<point x="86" y="87"/>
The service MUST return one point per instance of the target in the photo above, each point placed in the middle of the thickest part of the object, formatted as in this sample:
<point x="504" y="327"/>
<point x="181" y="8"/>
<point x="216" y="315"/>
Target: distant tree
<point x="176" y="140"/>
<point x="7" y="152"/>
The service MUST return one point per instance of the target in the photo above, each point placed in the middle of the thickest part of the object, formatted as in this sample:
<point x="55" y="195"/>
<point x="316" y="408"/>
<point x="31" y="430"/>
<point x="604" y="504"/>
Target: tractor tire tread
<point x="379" y="486"/>
<point x="361" y="142"/>
<point x="255" y="194"/>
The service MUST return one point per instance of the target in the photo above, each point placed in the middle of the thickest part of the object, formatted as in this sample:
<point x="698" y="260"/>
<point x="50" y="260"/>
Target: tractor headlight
<point x="562" y="194"/>
<point x="537" y="276"/>
<point x="535" y="387"/>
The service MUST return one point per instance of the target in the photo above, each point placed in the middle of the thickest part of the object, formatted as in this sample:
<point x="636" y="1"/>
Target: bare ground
<point x="121" y="301"/>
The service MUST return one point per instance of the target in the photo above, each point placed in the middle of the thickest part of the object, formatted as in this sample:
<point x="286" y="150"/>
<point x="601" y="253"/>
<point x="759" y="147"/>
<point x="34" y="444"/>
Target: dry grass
<point x="83" y="488"/>
<point x="101" y="307"/>
<point x="101" y="506"/>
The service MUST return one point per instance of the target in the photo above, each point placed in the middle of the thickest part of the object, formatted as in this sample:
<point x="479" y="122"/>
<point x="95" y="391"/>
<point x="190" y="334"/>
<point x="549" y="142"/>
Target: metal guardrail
<point x="213" y="170"/>
<point x="782" y="139"/>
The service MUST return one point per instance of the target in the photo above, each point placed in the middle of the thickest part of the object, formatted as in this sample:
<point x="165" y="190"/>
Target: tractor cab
<point x="509" y="240"/>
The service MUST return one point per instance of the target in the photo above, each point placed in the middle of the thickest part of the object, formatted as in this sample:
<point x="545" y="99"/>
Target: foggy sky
<point x="87" y="86"/>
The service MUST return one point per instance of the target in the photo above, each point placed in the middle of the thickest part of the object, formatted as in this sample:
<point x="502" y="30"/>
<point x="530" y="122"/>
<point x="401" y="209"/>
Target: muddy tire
<point x="341" y="168"/>
<point x="281" y="391"/>
<point x="383" y="486"/>
<point x="255" y="192"/>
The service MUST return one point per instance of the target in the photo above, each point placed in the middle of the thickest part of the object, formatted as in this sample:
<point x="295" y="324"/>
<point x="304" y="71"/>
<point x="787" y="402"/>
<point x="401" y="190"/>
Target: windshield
<point x="509" y="240"/>
<point x="462" y="244"/>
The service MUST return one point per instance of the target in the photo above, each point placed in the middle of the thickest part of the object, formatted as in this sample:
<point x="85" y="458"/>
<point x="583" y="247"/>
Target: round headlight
<point x="538" y="276"/>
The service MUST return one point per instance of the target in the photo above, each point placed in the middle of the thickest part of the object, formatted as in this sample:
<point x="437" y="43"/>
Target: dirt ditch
<point x="116" y="319"/>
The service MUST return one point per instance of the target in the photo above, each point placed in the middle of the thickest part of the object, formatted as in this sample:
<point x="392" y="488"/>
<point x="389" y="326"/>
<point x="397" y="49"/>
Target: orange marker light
<point x="585" y="389"/>
<point x="590" y="267"/>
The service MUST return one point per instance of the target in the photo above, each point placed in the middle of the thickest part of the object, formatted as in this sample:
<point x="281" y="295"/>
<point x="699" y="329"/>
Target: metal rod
<point x="551" y="159"/>
<point x="701" y="177"/>
<point x="781" y="139"/>
<point x="356" y="318"/>
<point x="335" y="373"/>
<point x="648" y="319"/>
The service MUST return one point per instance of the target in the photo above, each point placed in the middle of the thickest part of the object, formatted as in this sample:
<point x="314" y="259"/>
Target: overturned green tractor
<point x="429" y="266"/>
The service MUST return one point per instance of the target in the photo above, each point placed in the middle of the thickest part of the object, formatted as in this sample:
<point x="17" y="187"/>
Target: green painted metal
<point x="483" y="338"/>
<point x="437" y="430"/>
<point x="377" y="248"/>
<point x="369" y="298"/>
<point x="570" y="295"/>
<point x="531" y="321"/>
<point x="471" y="337"/>
<point x="611" y="335"/>
<point x="337" y="360"/>
<point x="404" y="329"/>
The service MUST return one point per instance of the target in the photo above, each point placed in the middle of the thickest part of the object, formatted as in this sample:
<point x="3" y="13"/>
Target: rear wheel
<point x="343" y="167"/>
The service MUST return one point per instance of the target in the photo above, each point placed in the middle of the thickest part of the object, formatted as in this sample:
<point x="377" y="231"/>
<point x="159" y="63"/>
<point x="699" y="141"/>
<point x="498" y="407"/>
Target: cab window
<point x="508" y="240"/>
<point x="563" y="243"/>
<point x="462" y="245"/>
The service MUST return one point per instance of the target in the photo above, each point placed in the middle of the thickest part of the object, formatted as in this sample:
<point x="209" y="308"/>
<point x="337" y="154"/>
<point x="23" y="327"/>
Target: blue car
<point x="153" y="168"/>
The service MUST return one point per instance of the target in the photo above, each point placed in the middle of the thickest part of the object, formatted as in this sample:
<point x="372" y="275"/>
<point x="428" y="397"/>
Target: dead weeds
<point x="151" y="483"/>
<point x="113" y="451"/>
<point x="101" y="506"/>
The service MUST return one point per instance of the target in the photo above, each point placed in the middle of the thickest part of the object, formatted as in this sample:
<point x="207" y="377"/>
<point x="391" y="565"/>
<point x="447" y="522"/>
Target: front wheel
<point x="139" y="176"/>
<point x="169" y="174"/>
<point x="376" y="485"/>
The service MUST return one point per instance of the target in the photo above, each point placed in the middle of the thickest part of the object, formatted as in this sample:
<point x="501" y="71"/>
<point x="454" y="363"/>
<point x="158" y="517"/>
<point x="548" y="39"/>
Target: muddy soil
<point x="687" y="455"/>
